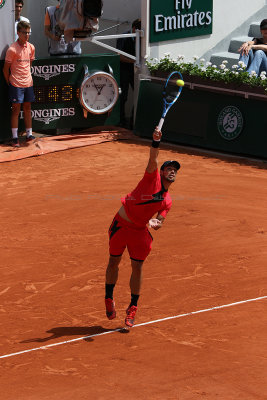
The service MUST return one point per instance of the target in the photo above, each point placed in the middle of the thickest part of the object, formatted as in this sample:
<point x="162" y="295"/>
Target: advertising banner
<point x="7" y="23"/>
<point x="57" y="83"/>
<point x="176" y="19"/>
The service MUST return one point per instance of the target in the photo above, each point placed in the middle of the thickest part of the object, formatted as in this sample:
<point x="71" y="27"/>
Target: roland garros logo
<point x="2" y="3"/>
<point x="230" y="122"/>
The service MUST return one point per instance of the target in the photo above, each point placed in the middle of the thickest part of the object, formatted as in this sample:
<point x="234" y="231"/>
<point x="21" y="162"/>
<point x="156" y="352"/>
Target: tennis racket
<point x="170" y="93"/>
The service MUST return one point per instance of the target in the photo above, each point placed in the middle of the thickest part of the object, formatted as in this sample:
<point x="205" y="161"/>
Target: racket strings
<point x="170" y="96"/>
<point x="170" y="92"/>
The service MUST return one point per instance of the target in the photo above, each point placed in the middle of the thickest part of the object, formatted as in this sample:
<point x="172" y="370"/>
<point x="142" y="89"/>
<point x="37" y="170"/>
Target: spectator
<point x="56" y="43"/>
<point x="254" y="52"/>
<point x="18" y="8"/>
<point x="17" y="73"/>
<point x="127" y="68"/>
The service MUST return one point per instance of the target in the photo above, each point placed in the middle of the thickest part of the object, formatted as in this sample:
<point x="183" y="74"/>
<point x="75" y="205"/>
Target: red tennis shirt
<point x="148" y="198"/>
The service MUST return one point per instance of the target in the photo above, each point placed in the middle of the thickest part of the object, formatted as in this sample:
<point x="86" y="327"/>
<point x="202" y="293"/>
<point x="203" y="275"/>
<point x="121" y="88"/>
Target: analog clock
<point x="99" y="92"/>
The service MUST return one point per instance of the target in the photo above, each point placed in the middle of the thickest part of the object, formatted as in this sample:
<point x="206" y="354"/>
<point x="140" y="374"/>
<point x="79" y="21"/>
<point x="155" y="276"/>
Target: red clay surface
<point x="55" y="212"/>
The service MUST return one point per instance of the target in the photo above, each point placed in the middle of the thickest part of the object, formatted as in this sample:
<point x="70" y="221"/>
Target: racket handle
<point x="160" y="124"/>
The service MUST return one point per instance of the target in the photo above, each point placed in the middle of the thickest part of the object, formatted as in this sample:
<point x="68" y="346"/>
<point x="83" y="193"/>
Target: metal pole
<point x="137" y="35"/>
<point x="106" y="46"/>
<point x="104" y="30"/>
<point x="137" y="48"/>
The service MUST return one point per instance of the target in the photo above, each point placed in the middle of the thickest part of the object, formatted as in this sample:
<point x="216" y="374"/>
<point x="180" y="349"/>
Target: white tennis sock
<point x="14" y="133"/>
<point x="29" y="132"/>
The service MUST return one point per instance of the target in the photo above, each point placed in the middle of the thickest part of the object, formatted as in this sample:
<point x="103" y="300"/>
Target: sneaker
<point x="131" y="311"/>
<point x="110" y="308"/>
<point x="15" y="143"/>
<point x="30" y="138"/>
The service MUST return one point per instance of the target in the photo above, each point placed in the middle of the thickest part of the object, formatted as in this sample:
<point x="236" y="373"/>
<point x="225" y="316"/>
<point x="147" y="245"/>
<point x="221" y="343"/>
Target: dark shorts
<point x="124" y="234"/>
<point x="21" y="95"/>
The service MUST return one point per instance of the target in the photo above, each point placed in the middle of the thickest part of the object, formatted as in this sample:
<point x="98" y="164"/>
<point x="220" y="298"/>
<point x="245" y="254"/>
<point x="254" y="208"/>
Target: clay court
<point x="211" y="252"/>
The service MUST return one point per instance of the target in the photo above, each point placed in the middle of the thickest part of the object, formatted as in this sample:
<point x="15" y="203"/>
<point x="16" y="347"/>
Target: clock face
<point x="99" y="93"/>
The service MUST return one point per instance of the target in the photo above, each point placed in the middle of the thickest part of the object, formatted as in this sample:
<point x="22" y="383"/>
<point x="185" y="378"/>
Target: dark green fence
<point x="205" y="119"/>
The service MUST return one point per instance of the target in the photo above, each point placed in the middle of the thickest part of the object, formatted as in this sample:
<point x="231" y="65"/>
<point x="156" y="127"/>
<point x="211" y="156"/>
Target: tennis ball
<point x="180" y="82"/>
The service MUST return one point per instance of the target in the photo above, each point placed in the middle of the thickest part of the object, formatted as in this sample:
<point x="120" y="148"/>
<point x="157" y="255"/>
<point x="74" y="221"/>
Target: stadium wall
<point x="7" y="25"/>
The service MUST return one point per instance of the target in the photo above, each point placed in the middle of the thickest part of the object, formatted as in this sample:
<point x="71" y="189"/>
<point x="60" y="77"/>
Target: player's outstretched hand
<point x="157" y="134"/>
<point x="155" y="223"/>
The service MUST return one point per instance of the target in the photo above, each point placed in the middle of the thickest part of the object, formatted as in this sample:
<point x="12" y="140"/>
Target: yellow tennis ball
<point x="180" y="82"/>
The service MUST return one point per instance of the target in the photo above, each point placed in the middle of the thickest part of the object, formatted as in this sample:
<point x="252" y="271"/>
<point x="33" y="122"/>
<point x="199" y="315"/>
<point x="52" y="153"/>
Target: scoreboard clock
<point x="99" y="92"/>
<point x="73" y="92"/>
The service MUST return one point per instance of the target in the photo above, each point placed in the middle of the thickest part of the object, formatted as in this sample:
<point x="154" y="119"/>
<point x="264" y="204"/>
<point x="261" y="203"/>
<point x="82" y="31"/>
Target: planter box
<point x="234" y="89"/>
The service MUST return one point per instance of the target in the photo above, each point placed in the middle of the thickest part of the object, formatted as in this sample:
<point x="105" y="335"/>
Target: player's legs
<point x="135" y="286"/>
<point x="117" y="245"/>
<point x="112" y="273"/>
<point x="139" y="247"/>
<point x="136" y="276"/>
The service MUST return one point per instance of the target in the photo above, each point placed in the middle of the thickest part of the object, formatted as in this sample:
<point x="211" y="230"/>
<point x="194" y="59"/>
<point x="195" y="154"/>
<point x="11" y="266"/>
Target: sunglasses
<point x="25" y="33"/>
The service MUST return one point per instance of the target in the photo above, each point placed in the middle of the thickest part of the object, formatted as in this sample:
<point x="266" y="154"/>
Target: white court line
<point x="135" y="326"/>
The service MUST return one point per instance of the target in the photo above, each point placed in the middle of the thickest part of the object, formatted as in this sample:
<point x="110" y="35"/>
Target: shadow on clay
<point x="75" y="331"/>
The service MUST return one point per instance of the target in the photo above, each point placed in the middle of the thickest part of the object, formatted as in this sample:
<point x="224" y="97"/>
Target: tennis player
<point x="129" y="226"/>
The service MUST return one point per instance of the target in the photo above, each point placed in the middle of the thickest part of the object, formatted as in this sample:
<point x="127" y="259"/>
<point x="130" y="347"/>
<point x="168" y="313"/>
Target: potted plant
<point x="204" y="73"/>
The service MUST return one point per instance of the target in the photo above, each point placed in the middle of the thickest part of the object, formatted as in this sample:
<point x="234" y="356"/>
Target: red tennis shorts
<point x="124" y="234"/>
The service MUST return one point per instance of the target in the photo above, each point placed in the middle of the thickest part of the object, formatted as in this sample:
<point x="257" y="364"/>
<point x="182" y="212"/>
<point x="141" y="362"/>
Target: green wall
<point x="193" y="120"/>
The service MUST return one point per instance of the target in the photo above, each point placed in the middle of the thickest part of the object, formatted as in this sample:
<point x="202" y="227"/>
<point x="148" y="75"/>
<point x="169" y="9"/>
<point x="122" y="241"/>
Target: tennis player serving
<point x="146" y="206"/>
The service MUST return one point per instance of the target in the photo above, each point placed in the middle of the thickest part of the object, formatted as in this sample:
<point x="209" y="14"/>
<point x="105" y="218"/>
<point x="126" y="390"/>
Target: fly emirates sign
<point x="175" y="19"/>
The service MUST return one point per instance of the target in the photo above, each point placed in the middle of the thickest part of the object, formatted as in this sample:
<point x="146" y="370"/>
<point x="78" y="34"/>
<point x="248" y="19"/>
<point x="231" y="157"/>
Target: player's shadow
<point x="87" y="331"/>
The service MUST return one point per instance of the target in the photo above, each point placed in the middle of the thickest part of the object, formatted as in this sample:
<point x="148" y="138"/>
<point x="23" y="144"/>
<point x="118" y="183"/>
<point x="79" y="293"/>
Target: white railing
<point x="138" y="34"/>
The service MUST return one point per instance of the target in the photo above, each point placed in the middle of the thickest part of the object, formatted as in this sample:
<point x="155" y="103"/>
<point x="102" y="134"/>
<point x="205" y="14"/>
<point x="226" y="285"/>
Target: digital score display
<point x="55" y="93"/>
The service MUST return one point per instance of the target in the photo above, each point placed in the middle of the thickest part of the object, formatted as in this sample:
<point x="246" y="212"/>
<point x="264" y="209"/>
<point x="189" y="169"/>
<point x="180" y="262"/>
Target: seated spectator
<point x="18" y="8"/>
<point x="56" y="43"/>
<point x="254" y="52"/>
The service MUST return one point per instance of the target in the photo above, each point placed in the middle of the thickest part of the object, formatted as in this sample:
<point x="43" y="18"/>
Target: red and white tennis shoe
<point x="110" y="308"/>
<point x="130" y="315"/>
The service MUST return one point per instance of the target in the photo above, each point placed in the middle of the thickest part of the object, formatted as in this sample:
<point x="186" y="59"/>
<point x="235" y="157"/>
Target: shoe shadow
<point x="87" y="331"/>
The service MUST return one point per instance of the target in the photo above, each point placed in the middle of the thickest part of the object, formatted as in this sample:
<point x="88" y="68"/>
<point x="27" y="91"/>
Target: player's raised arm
<point x="154" y="151"/>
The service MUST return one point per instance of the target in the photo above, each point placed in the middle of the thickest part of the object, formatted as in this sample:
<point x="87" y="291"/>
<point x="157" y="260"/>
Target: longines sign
<point x="175" y="19"/>
<point x="49" y="115"/>
<point x="50" y="71"/>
